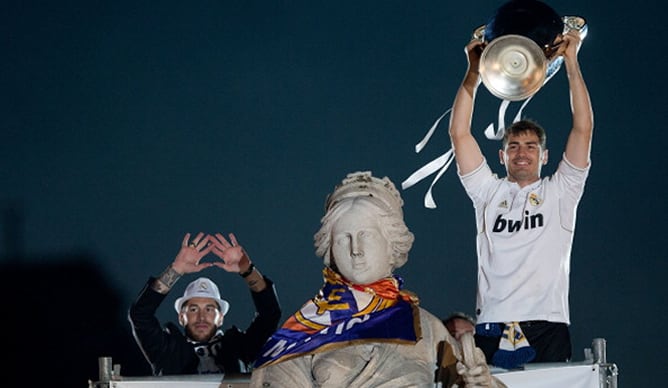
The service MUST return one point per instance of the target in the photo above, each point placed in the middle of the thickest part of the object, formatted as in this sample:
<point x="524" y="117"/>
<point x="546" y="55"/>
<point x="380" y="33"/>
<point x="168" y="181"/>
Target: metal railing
<point x="110" y="376"/>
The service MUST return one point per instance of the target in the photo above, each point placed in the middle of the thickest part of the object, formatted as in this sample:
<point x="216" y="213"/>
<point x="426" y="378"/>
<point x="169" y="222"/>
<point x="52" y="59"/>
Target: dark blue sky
<point x="126" y="125"/>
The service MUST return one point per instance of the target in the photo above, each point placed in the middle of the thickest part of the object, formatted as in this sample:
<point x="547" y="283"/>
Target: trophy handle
<point x="571" y="23"/>
<point x="576" y="23"/>
<point x="479" y="33"/>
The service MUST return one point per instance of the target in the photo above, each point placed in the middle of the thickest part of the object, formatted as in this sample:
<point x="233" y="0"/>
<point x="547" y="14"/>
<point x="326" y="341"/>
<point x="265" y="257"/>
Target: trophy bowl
<point x="513" y="67"/>
<point x="521" y="39"/>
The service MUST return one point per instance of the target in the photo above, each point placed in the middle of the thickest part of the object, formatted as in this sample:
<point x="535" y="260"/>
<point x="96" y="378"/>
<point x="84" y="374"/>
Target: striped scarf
<point x="333" y="319"/>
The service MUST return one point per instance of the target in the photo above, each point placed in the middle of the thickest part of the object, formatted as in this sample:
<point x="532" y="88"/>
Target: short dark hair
<point x="458" y="315"/>
<point x="526" y="125"/>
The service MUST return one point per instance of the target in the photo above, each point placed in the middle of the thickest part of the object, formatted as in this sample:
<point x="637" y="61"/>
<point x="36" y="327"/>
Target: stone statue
<point x="362" y="329"/>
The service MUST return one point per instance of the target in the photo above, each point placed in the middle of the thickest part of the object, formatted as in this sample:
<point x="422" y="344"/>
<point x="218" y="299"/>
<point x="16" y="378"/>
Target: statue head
<point x="363" y="235"/>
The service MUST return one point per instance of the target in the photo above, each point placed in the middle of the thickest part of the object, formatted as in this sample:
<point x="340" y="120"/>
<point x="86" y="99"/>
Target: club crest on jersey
<point x="534" y="199"/>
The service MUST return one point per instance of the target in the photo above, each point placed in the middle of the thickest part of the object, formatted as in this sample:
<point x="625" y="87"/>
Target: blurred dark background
<point x="125" y="125"/>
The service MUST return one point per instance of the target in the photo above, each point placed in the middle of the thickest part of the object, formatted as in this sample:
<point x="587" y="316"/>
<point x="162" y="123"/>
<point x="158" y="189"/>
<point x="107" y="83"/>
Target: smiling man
<point x="525" y="223"/>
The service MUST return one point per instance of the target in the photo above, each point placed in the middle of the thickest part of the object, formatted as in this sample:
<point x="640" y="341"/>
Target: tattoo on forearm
<point x="168" y="277"/>
<point x="257" y="283"/>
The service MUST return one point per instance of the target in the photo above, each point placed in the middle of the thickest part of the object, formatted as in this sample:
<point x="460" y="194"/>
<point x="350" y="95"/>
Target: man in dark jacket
<point x="204" y="348"/>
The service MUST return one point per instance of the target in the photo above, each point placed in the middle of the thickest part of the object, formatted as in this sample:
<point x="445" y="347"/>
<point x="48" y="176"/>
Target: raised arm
<point x="467" y="151"/>
<point x="186" y="261"/>
<point x="578" y="146"/>
<point x="235" y="259"/>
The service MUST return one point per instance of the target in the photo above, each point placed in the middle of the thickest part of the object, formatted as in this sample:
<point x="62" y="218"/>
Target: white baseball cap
<point x="202" y="288"/>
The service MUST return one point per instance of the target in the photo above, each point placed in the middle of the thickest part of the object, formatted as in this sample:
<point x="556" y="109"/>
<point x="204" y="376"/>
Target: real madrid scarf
<point x="333" y="319"/>
<point x="514" y="348"/>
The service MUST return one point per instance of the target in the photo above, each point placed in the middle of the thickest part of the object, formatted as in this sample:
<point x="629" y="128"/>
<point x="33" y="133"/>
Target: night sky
<point x="127" y="124"/>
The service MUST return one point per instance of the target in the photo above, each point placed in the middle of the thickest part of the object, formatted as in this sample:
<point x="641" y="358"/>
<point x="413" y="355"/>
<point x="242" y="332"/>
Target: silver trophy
<point x="520" y="45"/>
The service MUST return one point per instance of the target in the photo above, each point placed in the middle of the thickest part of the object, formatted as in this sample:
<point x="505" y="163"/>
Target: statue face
<point x="361" y="252"/>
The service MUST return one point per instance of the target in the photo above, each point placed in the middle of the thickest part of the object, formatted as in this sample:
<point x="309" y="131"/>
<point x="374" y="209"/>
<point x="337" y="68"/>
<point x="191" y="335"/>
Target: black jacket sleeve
<point x="168" y="350"/>
<point x="248" y="343"/>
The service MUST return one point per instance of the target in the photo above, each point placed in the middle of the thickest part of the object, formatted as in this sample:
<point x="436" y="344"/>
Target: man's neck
<point x="523" y="182"/>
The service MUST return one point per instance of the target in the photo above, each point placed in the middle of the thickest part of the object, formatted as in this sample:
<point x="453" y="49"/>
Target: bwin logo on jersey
<point x="528" y="222"/>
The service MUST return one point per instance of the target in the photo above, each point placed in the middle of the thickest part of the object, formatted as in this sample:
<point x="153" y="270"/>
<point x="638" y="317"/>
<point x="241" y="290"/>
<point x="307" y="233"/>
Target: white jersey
<point x="524" y="240"/>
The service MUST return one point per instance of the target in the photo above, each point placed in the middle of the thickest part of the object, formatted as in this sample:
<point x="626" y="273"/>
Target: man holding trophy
<point x="525" y="223"/>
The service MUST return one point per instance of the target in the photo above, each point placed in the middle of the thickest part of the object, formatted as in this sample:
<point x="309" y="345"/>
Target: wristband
<point x="248" y="271"/>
